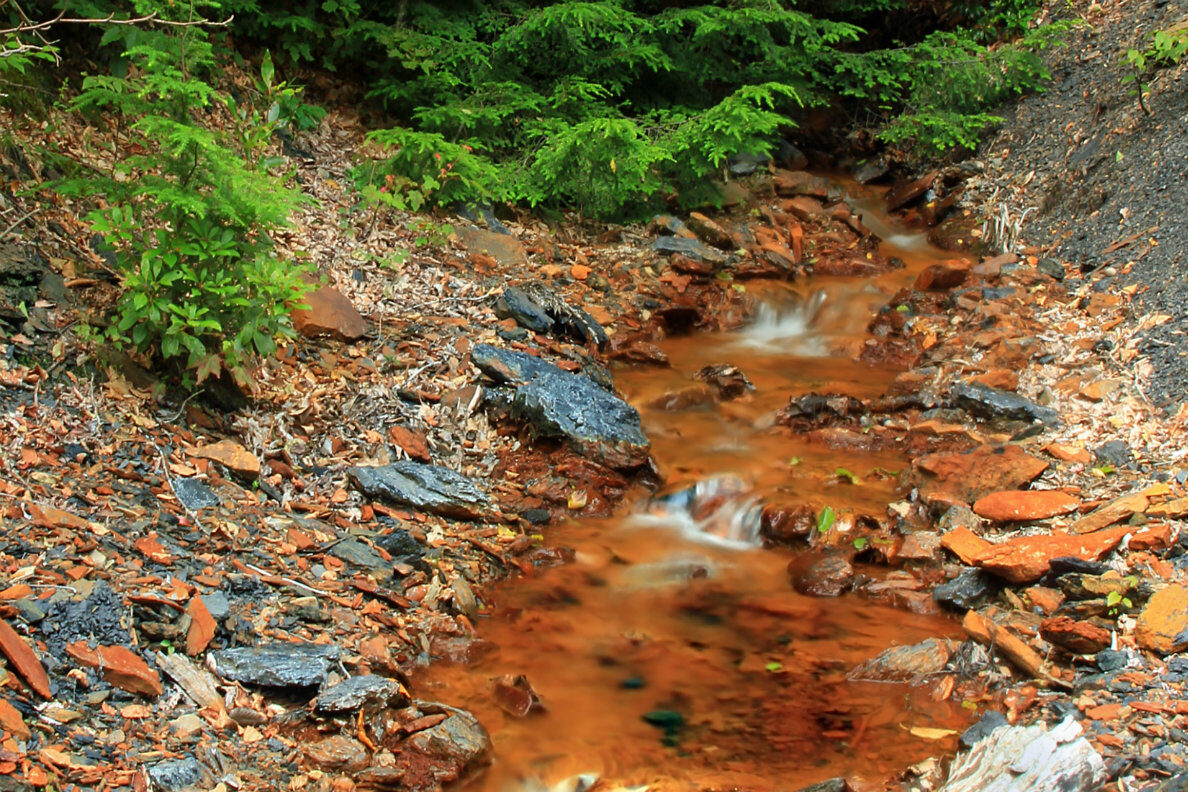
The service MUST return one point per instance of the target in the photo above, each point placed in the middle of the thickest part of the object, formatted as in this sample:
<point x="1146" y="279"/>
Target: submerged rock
<point x="280" y="665"/>
<point x="830" y="575"/>
<point x="557" y="403"/>
<point x="905" y="663"/>
<point x="993" y="403"/>
<point x="966" y="591"/>
<point x="430" y="488"/>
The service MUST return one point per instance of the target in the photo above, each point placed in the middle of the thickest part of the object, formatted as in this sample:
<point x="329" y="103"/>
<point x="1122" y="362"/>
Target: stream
<point x="673" y="652"/>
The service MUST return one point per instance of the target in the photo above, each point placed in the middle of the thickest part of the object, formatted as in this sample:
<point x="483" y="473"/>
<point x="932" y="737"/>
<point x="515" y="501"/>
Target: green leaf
<point x="826" y="519"/>
<point x="774" y="667"/>
<point x="845" y="474"/>
<point x="860" y="543"/>
<point x="267" y="72"/>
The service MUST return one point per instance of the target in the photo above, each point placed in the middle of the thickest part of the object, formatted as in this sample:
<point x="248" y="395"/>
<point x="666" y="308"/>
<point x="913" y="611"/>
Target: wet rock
<point x="329" y="313"/>
<point x="670" y="225"/>
<point x="564" y="319"/>
<point x="791" y="183"/>
<point x="1077" y="637"/>
<point x="870" y="170"/>
<point x="804" y="208"/>
<point x="515" y="695"/>
<point x="968" y="590"/>
<point x="369" y="691"/>
<point x="457" y="745"/>
<point x="1114" y="452"/>
<point x="691" y="248"/>
<point x="686" y="398"/>
<point x="958" y="517"/>
<point x="505" y="249"/>
<point x="431" y="488"/>
<point x="175" y="775"/>
<point x="1021" y="505"/>
<point x="920" y="546"/>
<point x="943" y="276"/>
<point x="998" y="404"/>
<point x="1025" y="559"/>
<point x="910" y="192"/>
<point x="641" y="353"/>
<point x="985" y="726"/>
<point x="905" y="663"/>
<point x="337" y="753"/>
<point x="516" y="304"/>
<point x="815" y="408"/>
<point x="355" y="552"/>
<point x="710" y="232"/>
<point x="744" y="163"/>
<point x="1029" y="759"/>
<point x="556" y="403"/>
<point x="965" y="477"/>
<point x="1163" y="623"/>
<point x="821" y="576"/>
<point x="281" y="665"/>
<point x="194" y="494"/>
<point x="728" y="381"/>
<point x="786" y="523"/>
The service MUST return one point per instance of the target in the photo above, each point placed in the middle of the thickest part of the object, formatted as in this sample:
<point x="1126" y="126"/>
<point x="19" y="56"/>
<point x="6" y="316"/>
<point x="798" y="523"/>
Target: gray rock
<point x="693" y="248"/>
<point x="355" y="552"/>
<point x="1114" y="452"/>
<point x="193" y="494"/>
<point x="516" y="304"/>
<point x="176" y="775"/>
<point x="994" y="403"/>
<point x="1050" y="267"/>
<point x="357" y="692"/>
<point x="966" y="591"/>
<point x="459" y="739"/>
<point x="990" y="721"/>
<point x="870" y="170"/>
<point x="556" y="403"/>
<point x="828" y="785"/>
<point x="30" y="611"/>
<point x="670" y="224"/>
<point x="958" y="517"/>
<point x="280" y="665"/>
<point x="744" y="164"/>
<point x="430" y="488"/>
<point x="217" y="603"/>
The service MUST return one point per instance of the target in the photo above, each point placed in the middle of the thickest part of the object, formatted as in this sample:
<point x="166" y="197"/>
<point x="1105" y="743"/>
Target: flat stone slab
<point x="281" y="665"/>
<point x="994" y="403"/>
<point x="429" y="488"/>
<point x="357" y="692"/>
<point x="556" y="403"/>
<point x="693" y="248"/>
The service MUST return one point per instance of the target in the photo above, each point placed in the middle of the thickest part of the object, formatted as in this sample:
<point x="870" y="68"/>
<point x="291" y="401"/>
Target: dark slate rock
<point x="744" y="164"/>
<point x="516" y="304"/>
<point x="481" y="216"/>
<point x="217" y="604"/>
<point x="1114" y="452"/>
<point x="1051" y="267"/>
<point x="670" y="224"/>
<point x="193" y="494"/>
<point x="355" y="552"/>
<point x="94" y="619"/>
<point x="30" y="611"/>
<point x="1066" y="564"/>
<point x="357" y="692"/>
<point x="828" y="785"/>
<point x="175" y="775"/>
<point x="982" y="729"/>
<point x="693" y="248"/>
<point x="966" y="591"/>
<point x="282" y="665"/>
<point x="871" y="170"/>
<point x="427" y="487"/>
<point x="1112" y="659"/>
<point x="556" y="403"/>
<point x="400" y="543"/>
<point x="994" y="403"/>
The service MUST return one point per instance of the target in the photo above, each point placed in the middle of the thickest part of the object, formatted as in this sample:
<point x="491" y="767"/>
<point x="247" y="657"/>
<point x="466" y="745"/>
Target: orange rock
<point x="1096" y="391"/>
<point x="202" y="626"/>
<point x="1104" y="712"/>
<point x="945" y="275"/>
<point x="1019" y="505"/>
<point x="12" y="721"/>
<point x="411" y="442"/>
<point x="1002" y="379"/>
<point x="1162" y="623"/>
<point x="119" y="666"/>
<point x="1026" y="559"/>
<point x="965" y="544"/>
<point x="1069" y="453"/>
<point x="24" y="660"/>
<point x="1044" y="598"/>
<point x="1173" y="508"/>
<point x="579" y="272"/>
<point x="1078" y="637"/>
<point x="1116" y="510"/>
<point x="153" y="550"/>
<point x="1153" y="536"/>
<point x="231" y="455"/>
<point x="505" y="249"/>
<point x="803" y="208"/>
<point x="329" y="313"/>
<point x="963" y="478"/>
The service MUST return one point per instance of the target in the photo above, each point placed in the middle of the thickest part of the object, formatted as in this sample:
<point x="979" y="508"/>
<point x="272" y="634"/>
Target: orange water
<point x="647" y="620"/>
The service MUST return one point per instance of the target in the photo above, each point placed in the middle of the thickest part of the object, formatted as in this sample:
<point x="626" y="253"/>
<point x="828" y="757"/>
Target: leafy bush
<point x="1166" y="48"/>
<point x="189" y="213"/>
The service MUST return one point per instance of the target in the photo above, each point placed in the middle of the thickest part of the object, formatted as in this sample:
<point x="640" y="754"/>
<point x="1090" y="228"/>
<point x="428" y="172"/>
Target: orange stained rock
<point x="1019" y="505"/>
<point x="119" y="666"/>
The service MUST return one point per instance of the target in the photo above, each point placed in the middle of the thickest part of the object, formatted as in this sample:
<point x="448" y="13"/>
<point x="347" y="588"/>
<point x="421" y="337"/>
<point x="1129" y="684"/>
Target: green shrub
<point x="189" y="214"/>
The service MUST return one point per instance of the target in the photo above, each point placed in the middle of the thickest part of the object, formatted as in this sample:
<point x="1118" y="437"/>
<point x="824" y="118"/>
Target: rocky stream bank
<point x="200" y="599"/>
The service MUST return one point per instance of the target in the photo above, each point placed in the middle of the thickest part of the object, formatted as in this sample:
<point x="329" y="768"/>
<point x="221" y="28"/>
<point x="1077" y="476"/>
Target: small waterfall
<point x="720" y="511"/>
<point x="787" y="327"/>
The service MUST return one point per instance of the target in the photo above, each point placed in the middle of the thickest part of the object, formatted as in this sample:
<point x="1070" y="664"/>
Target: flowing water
<point x="673" y="651"/>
